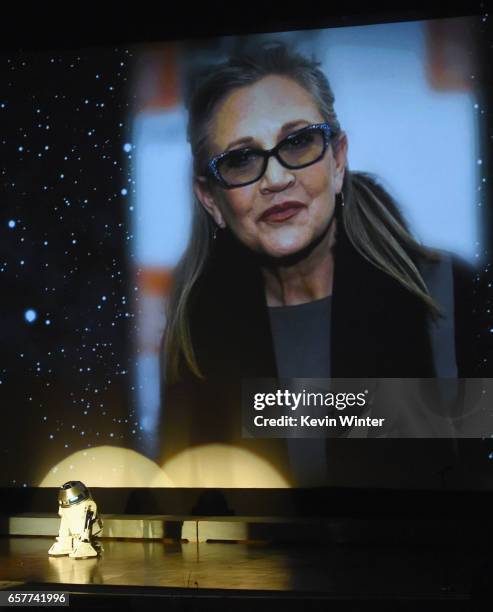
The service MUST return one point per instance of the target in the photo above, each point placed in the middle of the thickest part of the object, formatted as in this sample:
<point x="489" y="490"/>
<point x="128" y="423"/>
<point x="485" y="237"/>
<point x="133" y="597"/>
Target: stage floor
<point x="331" y="571"/>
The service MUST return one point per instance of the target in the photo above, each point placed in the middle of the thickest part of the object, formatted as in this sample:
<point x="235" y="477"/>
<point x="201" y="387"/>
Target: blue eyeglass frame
<point x="213" y="172"/>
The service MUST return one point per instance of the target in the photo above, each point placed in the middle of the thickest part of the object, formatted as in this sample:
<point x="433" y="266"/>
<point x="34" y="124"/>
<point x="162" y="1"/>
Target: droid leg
<point x="83" y="547"/>
<point x="83" y="550"/>
<point x="64" y="545"/>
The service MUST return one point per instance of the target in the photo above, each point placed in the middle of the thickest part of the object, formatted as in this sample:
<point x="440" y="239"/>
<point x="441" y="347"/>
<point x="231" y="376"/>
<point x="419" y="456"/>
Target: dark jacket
<point x="378" y="329"/>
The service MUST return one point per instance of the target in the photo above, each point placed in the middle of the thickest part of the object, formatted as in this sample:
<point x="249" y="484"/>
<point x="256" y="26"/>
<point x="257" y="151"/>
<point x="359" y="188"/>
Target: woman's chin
<point x="285" y="249"/>
<point x="291" y="245"/>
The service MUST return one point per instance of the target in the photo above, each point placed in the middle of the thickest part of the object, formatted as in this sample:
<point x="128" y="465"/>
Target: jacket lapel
<point x="378" y="328"/>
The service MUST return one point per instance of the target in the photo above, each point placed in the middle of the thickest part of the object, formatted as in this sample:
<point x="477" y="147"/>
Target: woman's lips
<point x="281" y="212"/>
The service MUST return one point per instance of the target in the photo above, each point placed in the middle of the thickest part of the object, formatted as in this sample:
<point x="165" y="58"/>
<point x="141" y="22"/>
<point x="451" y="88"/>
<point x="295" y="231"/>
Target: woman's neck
<point x="306" y="280"/>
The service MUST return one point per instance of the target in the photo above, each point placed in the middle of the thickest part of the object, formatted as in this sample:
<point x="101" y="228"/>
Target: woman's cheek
<point x="318" y="185"/>
<point x="237" y="209"/>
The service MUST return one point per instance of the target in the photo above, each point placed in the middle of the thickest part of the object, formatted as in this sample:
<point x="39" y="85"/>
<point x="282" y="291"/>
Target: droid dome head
<point x="72" y="492"/>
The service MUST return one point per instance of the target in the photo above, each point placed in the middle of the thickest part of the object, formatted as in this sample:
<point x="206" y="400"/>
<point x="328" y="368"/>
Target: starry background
<point x="68" y="294"/>
<point x="65" y="271"/>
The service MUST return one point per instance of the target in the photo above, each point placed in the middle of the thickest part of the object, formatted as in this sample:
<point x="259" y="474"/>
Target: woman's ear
<point x="206" y="198"/>
<point x="340" y="148"/>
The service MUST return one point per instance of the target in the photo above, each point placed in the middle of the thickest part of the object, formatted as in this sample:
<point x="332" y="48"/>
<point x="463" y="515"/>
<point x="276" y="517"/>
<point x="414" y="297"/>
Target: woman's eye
<point x="238" y="159"/>
<point x="300" y="140"/>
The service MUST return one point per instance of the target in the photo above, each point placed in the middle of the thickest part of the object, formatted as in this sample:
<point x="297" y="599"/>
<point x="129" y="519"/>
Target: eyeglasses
<point x="240" y="167"/>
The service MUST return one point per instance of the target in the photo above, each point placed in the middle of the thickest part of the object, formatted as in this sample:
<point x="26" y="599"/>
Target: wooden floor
<point x="351" y="570"/>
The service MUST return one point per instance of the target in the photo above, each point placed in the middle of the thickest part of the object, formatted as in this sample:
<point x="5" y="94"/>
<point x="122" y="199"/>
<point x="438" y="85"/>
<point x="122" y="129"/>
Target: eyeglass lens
<point x="296" y="151"/>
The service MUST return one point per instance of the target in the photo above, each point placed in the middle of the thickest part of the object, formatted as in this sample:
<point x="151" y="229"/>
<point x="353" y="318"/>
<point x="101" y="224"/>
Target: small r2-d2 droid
<point x="79" y="523"/>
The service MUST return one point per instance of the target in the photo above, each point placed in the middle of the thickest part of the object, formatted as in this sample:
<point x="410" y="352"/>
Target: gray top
<point x="301" y="336"/>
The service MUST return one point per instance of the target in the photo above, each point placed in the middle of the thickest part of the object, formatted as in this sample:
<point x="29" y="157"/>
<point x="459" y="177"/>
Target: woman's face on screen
<point x="286" y="209"/>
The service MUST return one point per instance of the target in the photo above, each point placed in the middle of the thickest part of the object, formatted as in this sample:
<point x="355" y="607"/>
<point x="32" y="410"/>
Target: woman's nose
<point x="276" y="176"/>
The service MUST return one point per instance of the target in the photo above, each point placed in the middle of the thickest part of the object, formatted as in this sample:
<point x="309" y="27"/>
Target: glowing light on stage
<point x="221" y="465"/>
<point x="107" y="466"/>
